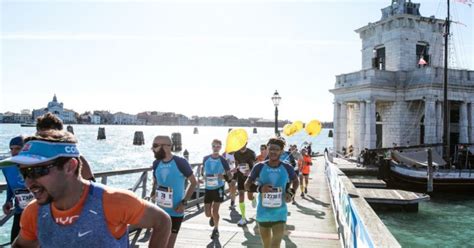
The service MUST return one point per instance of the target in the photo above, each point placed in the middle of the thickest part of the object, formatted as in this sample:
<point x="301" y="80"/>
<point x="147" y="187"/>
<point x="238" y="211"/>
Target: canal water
<point x="445" y="221"/>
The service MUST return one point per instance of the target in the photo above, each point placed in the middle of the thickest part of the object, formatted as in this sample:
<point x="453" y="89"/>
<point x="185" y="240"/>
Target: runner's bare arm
<point x="20" y="242"/>
<point x="189" y="193"/>
<point x="157" y="219"/>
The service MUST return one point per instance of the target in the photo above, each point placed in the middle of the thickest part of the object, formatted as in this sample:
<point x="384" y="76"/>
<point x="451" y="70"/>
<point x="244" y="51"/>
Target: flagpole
<point x="446" y="131"/>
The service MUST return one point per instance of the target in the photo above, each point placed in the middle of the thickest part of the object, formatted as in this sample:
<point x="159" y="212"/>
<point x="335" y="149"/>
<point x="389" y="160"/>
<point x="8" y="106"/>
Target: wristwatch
<point x="184" y="202"/>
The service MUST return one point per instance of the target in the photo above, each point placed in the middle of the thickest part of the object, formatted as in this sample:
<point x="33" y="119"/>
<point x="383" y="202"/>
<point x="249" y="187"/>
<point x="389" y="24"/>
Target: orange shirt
<point x="121" y="207"/>
<point x="260" y="158"/>
<point x="304" y="164"/>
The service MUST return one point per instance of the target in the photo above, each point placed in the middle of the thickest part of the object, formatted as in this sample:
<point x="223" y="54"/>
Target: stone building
<point x="397" y="97"/>
<point x="57" y="108"/>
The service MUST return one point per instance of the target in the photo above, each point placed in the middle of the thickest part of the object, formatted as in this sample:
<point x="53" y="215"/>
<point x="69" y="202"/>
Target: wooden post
<point x="101" y="133"/>
<point x="430" y="171"/>
<point x="138" y="138"/>
<point x="196" y="131"/>
<point x="254" y="130"/>
<point x="70" y="129"/>
<point x="186" y="154"/>
<point x="177" y="144"/>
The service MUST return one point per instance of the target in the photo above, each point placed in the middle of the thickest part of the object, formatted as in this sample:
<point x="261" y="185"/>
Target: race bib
<point x="212" y="180"/>
<point x="272" y="199"/>
<point x="244" y="168"/>
<point x="164" y="197"/>
<point x="23" y="197"/>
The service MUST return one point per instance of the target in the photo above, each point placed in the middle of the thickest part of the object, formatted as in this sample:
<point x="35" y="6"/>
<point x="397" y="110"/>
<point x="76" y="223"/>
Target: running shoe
<point x="254" y="203"/>
<point x="242" y="222"/>
<point x="211" y="222"/>
<point x="232" y="204"/>
<point x="302" y="194"/>
<point x="294" y="202"/>
<point x="306" y="190"/>
<point x="215" y="234"/>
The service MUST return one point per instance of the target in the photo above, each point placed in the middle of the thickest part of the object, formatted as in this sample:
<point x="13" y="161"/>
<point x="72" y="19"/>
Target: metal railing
<point x="141" y="183"/>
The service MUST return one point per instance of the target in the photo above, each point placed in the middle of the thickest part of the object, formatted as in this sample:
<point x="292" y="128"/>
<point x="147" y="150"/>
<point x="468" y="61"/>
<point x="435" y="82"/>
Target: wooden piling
<point x="196" y="131"/>
<point x="430" y="172"/>
<point x="186" y="154"/>
<point x="101" y="133"/>
<point x="254" y="130"/>
<point x="70" y="129"/>
<point x="177" y="144"/>
<point x="138" y="138"/>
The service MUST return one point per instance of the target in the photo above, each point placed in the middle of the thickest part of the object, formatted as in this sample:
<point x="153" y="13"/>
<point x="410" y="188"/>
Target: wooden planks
<point x="391" y="196"/>
<point x="368" y="183"/>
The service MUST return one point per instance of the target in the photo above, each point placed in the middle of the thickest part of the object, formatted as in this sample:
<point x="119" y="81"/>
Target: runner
<point x="244" y="159"/>
<point x="229" y="157"/>
<point x="18" y="196"/>
<point x="273" y="178"/>
<point x="287" y="157"/>
<point x="69" y="211"/>
<point x="215" y="168"/>
<point x="170" y="174"/>
<point x="263" y="153"/>
<point x="304" y="164"/>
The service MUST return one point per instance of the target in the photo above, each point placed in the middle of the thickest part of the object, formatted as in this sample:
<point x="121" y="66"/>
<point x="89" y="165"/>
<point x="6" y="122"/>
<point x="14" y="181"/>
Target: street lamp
<point x="276" y="101"/>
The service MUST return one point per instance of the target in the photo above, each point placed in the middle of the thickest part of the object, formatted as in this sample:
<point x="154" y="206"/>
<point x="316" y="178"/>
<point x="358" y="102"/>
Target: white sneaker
<point x="254" y="203"/>
<point x="242" y="222"/>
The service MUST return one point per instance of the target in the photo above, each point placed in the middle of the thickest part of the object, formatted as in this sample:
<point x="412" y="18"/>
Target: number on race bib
<point x="212" y="180"/>
<point x="272" y="199"/>
<point x="164" y="197"/>
<point x="23" y="197"/>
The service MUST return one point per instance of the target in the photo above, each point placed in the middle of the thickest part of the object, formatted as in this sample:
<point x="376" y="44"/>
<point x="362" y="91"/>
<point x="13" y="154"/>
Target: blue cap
<point x="38" y="151"/>
<point x="17" y="141"/>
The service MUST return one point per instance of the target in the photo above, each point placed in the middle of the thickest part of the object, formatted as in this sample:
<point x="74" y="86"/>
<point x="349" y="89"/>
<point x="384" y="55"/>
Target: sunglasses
<point x="37" y="172"/>
<point x="155" y="145"/>
<point x="216" y="145"/>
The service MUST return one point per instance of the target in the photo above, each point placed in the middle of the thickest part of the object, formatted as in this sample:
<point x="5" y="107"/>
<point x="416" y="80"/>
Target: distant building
<point x="10" y="117"/>
<point x="124" y="119"/>
<point x="95" y="119"/>
<point x="56" y="108"/>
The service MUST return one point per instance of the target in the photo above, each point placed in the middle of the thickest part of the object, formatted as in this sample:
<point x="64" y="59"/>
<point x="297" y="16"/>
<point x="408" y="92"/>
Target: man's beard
<point x="160" y="154"/>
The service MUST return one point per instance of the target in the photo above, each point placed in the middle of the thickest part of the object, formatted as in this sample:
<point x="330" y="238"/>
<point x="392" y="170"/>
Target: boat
<point x="410" y="168"/>
<point x="28" y="124"/>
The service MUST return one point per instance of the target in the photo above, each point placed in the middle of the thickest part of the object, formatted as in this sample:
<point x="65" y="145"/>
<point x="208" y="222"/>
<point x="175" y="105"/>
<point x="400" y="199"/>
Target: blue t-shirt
<point x="278" y="177"/>
<point x="171" y="177"/>
<point x="213" y="167"/>
<point x="16" y="188"/>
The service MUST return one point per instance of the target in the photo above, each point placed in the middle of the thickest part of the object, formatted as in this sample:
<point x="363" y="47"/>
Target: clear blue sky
<point x="192" y="57"/>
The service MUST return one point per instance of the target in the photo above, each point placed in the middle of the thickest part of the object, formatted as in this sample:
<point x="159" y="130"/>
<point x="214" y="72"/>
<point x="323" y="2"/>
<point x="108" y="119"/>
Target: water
<point x="117" y="151"/>
<point x="444" y="221"/>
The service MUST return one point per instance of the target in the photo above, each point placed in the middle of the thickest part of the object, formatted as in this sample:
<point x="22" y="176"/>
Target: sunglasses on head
<point x="38" y="171"/>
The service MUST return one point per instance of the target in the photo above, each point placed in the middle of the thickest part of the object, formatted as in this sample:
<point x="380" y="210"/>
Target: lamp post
<point x="276" y="101"/>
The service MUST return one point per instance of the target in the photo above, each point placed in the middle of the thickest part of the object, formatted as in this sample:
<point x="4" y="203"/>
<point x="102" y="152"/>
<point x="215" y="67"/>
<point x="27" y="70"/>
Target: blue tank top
<point x="212" y="168"/>
<point x="16" y="188"/>
<point x="89" y="230"/>
<point x="272" y="207"/>
<point x="171" y="177"/>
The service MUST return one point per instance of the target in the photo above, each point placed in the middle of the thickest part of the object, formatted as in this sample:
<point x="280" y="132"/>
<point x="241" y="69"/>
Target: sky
<point x="206" y="58"/>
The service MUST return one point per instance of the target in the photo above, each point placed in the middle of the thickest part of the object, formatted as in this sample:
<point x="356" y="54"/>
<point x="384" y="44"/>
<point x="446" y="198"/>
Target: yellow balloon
<point x="287" y="129"/>
<point x="298" y="125"/>
<point x="236" y="139"/>
<point x="313" y="128"/>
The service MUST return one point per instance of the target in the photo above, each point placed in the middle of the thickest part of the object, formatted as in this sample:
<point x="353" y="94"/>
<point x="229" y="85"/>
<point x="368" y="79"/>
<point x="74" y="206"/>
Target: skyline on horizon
<point x="204" y="58"/>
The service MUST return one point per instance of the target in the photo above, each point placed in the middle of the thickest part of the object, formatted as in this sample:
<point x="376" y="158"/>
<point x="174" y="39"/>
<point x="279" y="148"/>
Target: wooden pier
<point x="352" y="168"/>
<point x="311" y="221"/>
<point x="392" y="198"/>
<point x="369" y="183"/>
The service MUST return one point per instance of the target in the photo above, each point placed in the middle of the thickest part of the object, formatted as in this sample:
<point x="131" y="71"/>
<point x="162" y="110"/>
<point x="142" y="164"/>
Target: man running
<point x="263" y="153"/>
<point x="214" y="170"/>
<point x="244" y="159"/>
<point x="18" y="196"/>
<point x="229" y="157"/>
<point x="170" y="174"/>
<point x="273" y="178"/>
<point x="304" y="164"/>
<point x="69" y="211"/>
